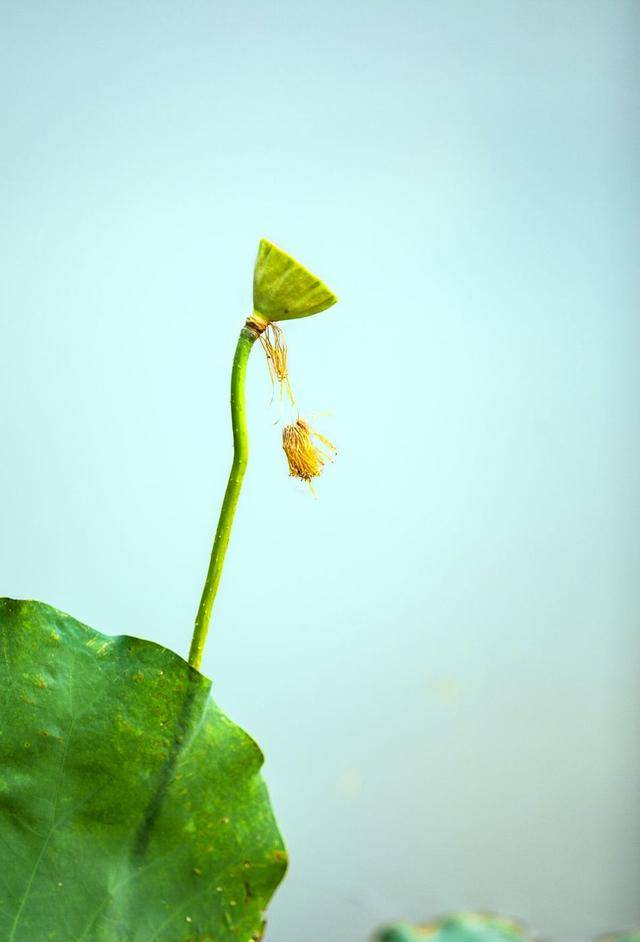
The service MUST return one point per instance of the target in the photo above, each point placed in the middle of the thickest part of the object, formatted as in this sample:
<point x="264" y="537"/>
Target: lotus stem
<point x="248" y="335"/>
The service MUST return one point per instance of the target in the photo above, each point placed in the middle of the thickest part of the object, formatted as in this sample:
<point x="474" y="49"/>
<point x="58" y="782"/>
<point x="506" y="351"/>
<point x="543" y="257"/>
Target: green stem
<point x="240" y="457"/>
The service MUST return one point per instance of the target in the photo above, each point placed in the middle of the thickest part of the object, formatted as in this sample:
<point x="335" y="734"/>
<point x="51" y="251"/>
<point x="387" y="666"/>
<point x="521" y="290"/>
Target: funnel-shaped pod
<point x="283" y="289"/>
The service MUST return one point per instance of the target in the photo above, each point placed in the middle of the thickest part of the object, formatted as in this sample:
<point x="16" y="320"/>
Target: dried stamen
<point x="275" y="348"/>
<point x="306" y="458"/>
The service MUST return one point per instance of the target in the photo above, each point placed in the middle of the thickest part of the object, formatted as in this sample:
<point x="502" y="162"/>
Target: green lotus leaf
<point x="629" y="935"/>
<point x="283" y="289"/>
<point x="131" y="808"/>
<point x="465" y="927"/>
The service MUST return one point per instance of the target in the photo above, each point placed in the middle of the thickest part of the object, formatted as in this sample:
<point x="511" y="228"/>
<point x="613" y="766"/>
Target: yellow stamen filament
<point x="306" y="458"/>
<point x="275" y="348"/>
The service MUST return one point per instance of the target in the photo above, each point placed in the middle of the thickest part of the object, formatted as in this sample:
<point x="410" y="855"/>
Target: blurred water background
<point x="440" y="655"/>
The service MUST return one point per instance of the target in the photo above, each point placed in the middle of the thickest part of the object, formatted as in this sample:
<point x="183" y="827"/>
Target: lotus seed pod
<point x="283" y="289"/>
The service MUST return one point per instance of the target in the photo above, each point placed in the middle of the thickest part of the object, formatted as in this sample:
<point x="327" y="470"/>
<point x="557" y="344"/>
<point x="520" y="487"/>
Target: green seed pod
<point x="283" y="289"/>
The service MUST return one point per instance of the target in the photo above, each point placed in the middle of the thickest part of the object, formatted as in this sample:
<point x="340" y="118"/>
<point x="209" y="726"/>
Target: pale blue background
<point x="440" y="656"/>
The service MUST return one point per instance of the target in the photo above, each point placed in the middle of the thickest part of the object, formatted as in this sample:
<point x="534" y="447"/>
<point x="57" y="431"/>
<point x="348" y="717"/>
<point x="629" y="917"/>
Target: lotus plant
<point x="131" y="808"/>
